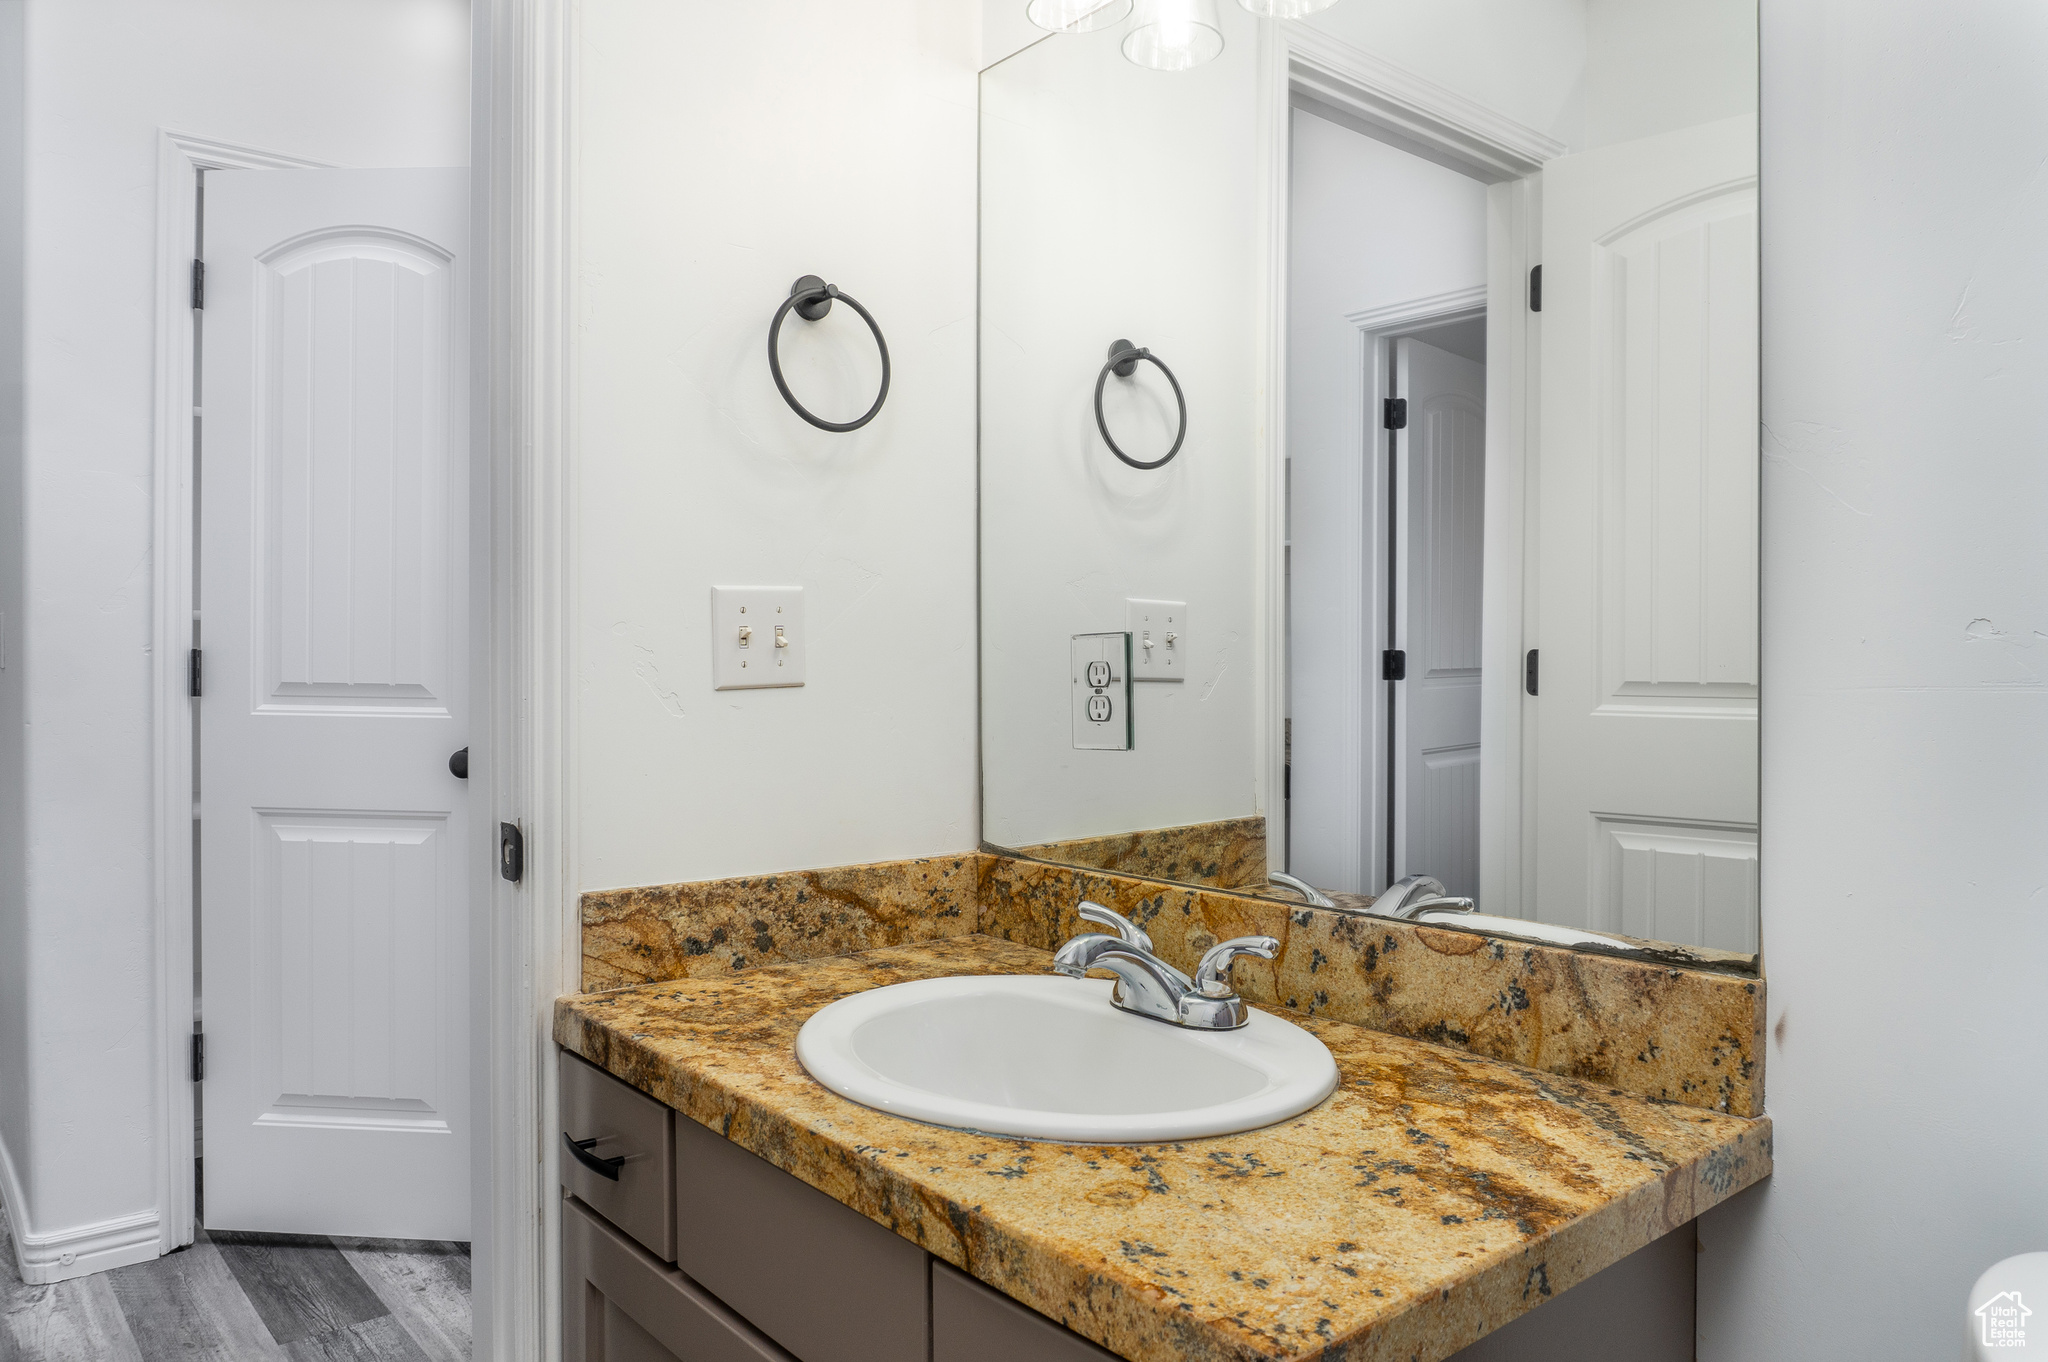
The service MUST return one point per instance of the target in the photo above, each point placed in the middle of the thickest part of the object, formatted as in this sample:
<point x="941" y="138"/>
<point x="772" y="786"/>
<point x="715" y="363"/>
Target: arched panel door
<point x="1645" y="808"/>
<point x="333" y="611"/>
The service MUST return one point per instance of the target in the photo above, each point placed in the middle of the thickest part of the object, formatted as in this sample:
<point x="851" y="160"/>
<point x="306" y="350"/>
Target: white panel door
<point x="333" y="595"/>
<point x="1645" y="760"/>
<point x="1440" y="461"/>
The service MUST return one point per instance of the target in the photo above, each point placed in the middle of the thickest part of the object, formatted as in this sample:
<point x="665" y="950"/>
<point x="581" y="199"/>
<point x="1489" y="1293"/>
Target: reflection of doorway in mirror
<point x="1386" y="300"/>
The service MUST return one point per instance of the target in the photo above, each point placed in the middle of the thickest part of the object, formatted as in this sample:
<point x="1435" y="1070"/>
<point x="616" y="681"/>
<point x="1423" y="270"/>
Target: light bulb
<point x="1285" y="9"/>
<point x="1076" y="16"/>
<point x="1173" y="35"/>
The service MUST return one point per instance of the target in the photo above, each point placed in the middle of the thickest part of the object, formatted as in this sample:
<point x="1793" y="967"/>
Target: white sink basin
<point x="1046" y="1057"/>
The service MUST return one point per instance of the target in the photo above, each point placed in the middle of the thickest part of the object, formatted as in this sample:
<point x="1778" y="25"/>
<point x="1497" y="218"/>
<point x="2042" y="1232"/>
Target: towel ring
<point x="1123" y="362"/>
<point x="812" y="298"/>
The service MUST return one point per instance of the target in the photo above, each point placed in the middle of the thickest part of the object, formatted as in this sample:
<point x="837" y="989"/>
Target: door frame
<point x="180" y="159"/>
<point x="1359" y="90"/>
<point x="525" y="939"/>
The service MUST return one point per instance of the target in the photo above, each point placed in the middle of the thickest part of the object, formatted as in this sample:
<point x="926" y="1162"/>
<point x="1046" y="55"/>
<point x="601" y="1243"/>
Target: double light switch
<point x="1159" y="640"/>
<point x="757" y="637"/>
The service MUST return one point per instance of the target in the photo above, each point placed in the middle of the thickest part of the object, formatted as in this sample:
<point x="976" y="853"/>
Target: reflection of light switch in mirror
<point x="757" y="637"/>
<point x="1159" y="640"/>
<point x="1102" y="692"/>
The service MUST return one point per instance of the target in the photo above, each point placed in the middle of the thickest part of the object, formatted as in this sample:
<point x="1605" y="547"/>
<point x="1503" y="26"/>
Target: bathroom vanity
<point x="719" y="1203"/>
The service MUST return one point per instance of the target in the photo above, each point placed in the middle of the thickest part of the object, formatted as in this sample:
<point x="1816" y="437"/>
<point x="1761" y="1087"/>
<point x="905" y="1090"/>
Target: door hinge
<point x="1535" y="288"/>
<point x="511" y="852"/>
<point x="192" y="675"/>
<point x="1529" y="672"/>
<point x="1394" y="665"/>
<point x="198" y="285"/>
<point x="1394" y="413"/>
<point x="198" y="1056"/>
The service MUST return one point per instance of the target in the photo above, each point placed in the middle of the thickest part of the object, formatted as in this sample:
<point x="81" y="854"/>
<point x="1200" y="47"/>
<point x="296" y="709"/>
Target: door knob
<point x="458" y="764"/>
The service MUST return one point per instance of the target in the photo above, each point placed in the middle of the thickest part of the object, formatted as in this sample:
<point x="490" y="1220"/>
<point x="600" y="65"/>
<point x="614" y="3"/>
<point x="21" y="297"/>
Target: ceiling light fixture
<point x="1173" y="35"/>
<point x="1076" y="16"/>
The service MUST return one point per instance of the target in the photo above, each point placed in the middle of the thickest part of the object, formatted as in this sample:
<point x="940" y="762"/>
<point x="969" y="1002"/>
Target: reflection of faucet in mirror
<point x="1149" y="986"/>
<point x="1408" y="897"/>
<point x="1314" y="897"/>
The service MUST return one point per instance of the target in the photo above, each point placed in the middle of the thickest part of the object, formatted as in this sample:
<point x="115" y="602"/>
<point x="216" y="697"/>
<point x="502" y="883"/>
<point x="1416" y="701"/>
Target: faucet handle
<point x="1126" y="931"/>
<point x="1212" y="976"/>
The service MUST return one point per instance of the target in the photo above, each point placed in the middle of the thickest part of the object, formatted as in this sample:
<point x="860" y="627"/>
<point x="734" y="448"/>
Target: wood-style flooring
<point x="248" y="1298"/>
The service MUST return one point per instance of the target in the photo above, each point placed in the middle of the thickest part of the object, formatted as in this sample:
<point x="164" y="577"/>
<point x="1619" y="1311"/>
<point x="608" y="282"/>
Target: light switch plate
<point x="1102" y="692"/>
<point x="1159" y="640"/>
<point x="757" y="637"/>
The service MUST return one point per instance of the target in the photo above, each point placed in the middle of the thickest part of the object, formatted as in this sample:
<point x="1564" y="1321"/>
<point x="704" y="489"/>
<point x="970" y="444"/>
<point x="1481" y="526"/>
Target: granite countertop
<point x="1432" y="1198"/>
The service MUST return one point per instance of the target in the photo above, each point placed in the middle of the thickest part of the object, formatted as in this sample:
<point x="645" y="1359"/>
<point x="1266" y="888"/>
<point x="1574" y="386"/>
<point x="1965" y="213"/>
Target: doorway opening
<point x="1386" y="461"/>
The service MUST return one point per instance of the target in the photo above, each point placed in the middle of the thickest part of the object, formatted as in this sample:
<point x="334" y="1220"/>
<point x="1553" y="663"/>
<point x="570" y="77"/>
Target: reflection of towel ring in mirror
<point x="812" y="297"/>
<point x="1123" y="361"/>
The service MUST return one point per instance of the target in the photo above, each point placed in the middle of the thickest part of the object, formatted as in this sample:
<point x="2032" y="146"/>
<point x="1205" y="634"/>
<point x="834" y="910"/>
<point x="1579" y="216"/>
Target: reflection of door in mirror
<point x="1645" y="783"/>
<point x="1386" y="302"/>
<point x="1440" y="501"/>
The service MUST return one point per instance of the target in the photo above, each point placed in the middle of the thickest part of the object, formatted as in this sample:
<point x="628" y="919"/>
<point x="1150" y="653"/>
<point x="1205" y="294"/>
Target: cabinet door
<point x="822" y="1280"/>
<point x="620" y="1305"/>
<point x="975" y="1323"/>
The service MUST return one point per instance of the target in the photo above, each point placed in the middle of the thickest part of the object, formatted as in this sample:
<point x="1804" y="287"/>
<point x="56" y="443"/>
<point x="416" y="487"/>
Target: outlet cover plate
<point x="755" y="662"/>
<point x="1102" y="692"/>
<point x="1164" y="625"/>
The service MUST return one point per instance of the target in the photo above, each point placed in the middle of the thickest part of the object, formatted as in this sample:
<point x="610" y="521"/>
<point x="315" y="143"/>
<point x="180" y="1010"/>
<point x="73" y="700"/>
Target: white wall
<point x="356" y="82"/>
<point x="1369" y="226"/>
<point x="1905" y="681"/>
<point x="1005" y="30"/>
<point x="1587" y="72"/>
<point x="1522" y="58"/>
<point x="1118" y="203"/>
<point x="725" y="151"/>
<point x="1656" y="66"/>
<point x="14" y="1038"/>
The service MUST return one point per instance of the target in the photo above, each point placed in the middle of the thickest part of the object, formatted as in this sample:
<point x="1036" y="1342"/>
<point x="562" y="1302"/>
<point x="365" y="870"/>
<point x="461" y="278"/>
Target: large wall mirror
<point x="1369" y="461"/>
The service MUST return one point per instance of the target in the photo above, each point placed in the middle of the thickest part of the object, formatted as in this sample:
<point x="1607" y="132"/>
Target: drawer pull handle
<point x="604" y="1168"/>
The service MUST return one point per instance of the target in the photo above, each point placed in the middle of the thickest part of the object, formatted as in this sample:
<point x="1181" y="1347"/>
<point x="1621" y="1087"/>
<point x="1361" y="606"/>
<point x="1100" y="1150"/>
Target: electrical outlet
<point x="757" y="637"/>
<point x="1102" y="692"/>
<point x="1159" y="640"/>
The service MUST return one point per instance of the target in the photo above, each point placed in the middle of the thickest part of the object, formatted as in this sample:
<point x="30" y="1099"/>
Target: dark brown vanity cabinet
<point x="972" y="1323"/>
<point x="822" y="1280"/>
<point x="702" y="1252"/>
<point x="621" y="1305"/>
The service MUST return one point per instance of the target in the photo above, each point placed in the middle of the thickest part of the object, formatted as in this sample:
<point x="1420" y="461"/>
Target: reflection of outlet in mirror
<point x="757" y="637"/>
<point x="1159" y="640"/>
<point x="1102" y="692"/>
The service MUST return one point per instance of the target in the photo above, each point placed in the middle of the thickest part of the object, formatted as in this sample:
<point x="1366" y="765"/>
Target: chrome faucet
<point x="1312" y="896"/>
<point x="1149" y="986"/>
<point x="1409" y="897"/>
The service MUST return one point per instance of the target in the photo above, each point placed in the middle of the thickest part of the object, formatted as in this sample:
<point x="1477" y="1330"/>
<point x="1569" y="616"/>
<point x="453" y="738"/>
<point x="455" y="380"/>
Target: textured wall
<point x="1905" y="681"/>
<point x="727" y="149"/>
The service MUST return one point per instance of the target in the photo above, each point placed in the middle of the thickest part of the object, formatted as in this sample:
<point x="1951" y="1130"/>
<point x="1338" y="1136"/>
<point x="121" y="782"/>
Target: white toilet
<point x="2000" y="1321"/>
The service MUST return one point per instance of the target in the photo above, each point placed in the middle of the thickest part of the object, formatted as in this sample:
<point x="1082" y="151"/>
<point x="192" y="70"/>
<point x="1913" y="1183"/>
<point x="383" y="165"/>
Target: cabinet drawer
<point x="620" y="1305"/>
<point x="975" y="1323"/>
<point x="628" y="1124"/>
<point x="822" y="1280"/>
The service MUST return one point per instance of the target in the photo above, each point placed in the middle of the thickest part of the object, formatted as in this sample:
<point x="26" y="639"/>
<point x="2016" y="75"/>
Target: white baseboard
<point x="77" y="1252"/>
